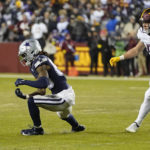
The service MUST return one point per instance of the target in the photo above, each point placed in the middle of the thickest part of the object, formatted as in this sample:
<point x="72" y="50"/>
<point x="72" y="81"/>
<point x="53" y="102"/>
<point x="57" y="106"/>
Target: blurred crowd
<point x="106" y="26"/>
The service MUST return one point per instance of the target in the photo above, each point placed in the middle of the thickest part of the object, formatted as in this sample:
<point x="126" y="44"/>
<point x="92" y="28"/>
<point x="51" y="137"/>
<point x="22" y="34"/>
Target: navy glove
<point x="19" y="82"/>
<point x="20" y="94"/>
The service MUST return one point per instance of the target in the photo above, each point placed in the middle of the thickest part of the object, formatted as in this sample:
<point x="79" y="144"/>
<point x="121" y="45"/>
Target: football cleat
<point x="78" y="129"/>
<point x="33" y="131"/>
<point x="132" y="128"/>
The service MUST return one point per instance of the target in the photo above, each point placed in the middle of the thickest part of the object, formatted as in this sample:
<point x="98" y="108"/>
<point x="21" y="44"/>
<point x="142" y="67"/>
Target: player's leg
<point x="57" y="104"/>
<point x="68" y="117"/>
<point x="144" y="110"/>
<point x="35" y="116"/>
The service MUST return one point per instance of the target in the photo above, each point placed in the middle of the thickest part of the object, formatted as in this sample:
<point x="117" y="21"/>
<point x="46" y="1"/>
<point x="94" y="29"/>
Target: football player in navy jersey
<point x="47" y="76"/>
<point x="144" y="42"/>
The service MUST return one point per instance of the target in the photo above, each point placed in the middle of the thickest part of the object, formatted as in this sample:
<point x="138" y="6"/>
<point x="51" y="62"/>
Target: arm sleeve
<point x="42" y="82"/>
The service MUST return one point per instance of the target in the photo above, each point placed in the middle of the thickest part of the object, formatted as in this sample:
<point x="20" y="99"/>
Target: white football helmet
<point x="28" y="50"/>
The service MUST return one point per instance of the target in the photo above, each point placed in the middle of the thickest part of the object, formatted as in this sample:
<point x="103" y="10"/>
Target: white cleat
<point x="132" y="128"/>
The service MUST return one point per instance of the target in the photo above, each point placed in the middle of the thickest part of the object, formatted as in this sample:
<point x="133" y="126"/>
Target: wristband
<point x="122" y="57"/>
<point x="27" y="96"/>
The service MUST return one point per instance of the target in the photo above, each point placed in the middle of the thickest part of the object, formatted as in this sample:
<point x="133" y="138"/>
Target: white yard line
<point x="16" y="76"/>
<point x="110" y="78"/>
<point x="80" y="77"/>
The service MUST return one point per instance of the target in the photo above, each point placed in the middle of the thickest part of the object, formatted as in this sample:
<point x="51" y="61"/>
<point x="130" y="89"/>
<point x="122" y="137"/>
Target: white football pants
<point x="61" y="102"/>
<point x="145" y="108"/>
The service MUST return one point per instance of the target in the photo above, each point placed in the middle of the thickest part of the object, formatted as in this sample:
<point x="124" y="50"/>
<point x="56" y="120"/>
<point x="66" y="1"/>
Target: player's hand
<point x="114" y="60"/>
<point x="19" y="82"/>
<point x="20" y="94"/>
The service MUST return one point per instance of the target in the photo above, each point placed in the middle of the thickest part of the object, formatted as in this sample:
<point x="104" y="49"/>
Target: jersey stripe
<point x="49" y="102"/>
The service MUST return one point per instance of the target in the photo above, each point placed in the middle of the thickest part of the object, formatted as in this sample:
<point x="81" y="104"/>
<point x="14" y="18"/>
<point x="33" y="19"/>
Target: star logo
<point x="27" y="44"/>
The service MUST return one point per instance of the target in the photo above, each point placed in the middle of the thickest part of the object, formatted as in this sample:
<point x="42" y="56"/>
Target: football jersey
<point x="57" y="80"/>
<point x="145" y="38"/>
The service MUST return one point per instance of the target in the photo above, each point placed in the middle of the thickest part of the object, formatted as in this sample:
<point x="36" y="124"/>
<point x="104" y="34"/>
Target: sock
<point x="34" y="112"/>
<point x="38" y="126"/>
<point x="137" y="124"/>
<point x="72" y="121"/>
<point x="144" y="109"/>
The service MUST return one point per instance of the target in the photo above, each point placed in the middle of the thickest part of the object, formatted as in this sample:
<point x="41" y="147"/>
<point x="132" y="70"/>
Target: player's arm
<point x="38" y="92"/>
<point x="42" y="71"/>
<point x="19" y="93"/>
<point x="129" y="54"/>
<point x="134" y="51"/>
<point x="41" y="82"/>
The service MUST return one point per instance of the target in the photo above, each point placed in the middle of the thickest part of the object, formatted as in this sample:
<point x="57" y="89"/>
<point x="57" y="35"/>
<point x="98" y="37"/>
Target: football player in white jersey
<point x="144" y="42"/>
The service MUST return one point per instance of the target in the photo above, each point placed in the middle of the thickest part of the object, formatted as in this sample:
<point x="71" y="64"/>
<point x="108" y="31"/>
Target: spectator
<point x="111" y="24"/>
<point x="52" y="25"/>
<point x="50" y="47"/>
<point x="146" y="3"/>
<point x="38" y="30"/>
<point x="71" y="26"/>
<point x="120" y="49"/>
<point x="23" y="27"/>
<point x="105" y="51"/>
<point x="62" y="24"/>
<point x="68" y="48"/>
<point x="93" y="40"/>
<point x="7" y="16"/>
<point x="3" y="31"/>
<point x="130" y="62"/>
<point x="130" y="28"/>
<point x="96" y="15"/>
<point x="80" y="30"/>
<point x="46" y="17"/>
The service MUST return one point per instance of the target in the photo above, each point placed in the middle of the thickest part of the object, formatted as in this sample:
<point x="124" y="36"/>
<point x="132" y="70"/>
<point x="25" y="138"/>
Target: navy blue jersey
<point x="57" y="80"/>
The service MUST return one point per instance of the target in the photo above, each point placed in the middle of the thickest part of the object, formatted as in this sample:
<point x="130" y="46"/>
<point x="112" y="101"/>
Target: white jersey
<point x="145" y="38"/>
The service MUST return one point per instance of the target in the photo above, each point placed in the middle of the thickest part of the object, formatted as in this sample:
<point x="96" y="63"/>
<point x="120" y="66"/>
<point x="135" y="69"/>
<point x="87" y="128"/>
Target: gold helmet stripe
<point x="144" y="12"/>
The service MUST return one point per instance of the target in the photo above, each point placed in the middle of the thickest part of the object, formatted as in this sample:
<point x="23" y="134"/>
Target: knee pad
<point x="62" y="116"/>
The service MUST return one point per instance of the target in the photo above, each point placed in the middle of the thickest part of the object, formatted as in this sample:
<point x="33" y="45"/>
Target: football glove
<point x="20" y="94"/>
<point x="19" y="82"/>
<point x="114" y="60"/>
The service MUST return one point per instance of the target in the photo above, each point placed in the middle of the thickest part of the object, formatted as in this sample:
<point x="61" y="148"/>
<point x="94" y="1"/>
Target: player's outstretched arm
<point x="42" y="82"/>
<point x="129" y="54"/>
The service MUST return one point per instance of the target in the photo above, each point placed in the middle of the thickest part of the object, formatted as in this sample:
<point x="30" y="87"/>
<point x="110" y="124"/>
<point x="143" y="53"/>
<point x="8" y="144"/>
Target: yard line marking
<point x="137" y="88"/>
<point x="16" y="76"/>
<point x="93" y="96"/>
<point x="81" y="77"/>
<point x="111" y="78"/>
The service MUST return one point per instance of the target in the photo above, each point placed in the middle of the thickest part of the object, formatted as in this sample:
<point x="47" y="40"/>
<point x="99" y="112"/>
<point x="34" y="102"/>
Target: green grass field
<point x="105" y="107"/>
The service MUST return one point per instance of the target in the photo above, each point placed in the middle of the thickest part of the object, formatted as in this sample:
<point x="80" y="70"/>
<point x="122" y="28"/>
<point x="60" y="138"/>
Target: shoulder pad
<point x="40" y="61"/>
